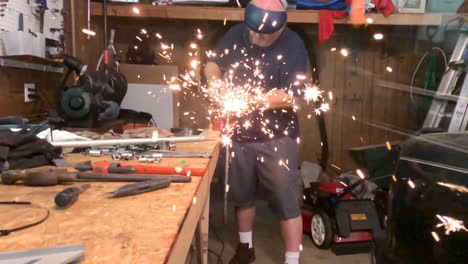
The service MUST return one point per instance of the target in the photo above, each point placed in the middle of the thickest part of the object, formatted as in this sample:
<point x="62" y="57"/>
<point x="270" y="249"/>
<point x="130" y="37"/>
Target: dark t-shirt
<point x="279" y="65"/>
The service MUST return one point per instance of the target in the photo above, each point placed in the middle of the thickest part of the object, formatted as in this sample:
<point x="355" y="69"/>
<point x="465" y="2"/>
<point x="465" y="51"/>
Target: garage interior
<point x="102" y="95"/>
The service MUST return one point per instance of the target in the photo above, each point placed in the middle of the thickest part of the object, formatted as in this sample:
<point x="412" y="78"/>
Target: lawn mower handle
<point x="350" y="188"/>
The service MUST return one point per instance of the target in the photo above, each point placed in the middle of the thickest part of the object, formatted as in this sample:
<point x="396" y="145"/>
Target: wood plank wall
<point x="12" y="82"/>
<point x="354" y="81"/>
<point x="361" y="109"/>
<point x="79" y="45"/>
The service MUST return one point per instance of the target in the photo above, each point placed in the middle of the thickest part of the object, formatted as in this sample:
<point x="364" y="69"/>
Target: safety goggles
<point x="264" y="21"/>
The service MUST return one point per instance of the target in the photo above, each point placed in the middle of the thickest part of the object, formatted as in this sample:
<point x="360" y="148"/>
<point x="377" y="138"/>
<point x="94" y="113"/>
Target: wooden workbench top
<point x="134" y="229"/>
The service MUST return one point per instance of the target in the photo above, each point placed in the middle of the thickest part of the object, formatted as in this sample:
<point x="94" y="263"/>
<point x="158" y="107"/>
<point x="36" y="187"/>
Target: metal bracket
<point x="29" y="65"/>
<point x="55" y="255"/>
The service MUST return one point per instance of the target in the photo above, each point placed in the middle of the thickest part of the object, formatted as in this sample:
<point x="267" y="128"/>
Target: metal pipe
<point x="178" y="154"/>
<point x="129" y="141"/>
<point x="104" y="7"/>
<point x="226" y="179"/>
<point x="89" y="18"/>
<point x="226" y="184"/>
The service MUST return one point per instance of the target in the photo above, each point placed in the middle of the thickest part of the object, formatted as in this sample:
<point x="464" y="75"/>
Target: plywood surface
<point x="135" y="229"/>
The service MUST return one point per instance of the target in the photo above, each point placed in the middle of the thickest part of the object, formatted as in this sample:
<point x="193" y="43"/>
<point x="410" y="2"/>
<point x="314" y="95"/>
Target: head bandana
<point x="264" y="21"/>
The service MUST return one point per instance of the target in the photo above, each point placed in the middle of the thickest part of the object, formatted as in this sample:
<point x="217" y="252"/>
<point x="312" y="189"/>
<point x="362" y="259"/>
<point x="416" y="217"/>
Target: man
<point x="262" y="50"/>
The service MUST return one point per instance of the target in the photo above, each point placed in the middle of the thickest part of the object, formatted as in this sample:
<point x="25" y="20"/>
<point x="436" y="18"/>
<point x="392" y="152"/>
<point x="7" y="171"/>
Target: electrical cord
<point x="154" y="122"/>
<point x="215" y="254"/>
<point x="419" y="65"/>
<point x="219" y="261"/>
<point x="460" y="21"/>
<point x="6" y="232"/>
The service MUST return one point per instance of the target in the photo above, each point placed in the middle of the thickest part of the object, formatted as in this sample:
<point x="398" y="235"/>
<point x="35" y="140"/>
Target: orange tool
<point x="139" y="168"/>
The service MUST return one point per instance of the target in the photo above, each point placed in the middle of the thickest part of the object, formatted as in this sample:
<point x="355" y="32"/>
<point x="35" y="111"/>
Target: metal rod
<point x="129" y="141"/>
<point x="226" y="178"/>
<point x="89" y="18"/>
<point x="179" y="154"/>
<point x="104" y="6"/>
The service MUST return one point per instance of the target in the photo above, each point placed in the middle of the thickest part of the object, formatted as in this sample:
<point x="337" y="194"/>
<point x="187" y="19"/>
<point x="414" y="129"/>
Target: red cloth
<point x="326" y="26"/>
<point x="385" y="6"/>
<point x="219" y="124"/>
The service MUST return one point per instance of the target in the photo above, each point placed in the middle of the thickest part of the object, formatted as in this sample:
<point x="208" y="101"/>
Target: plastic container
<point x="443" y="6"/>
<point x="22" y="43"/>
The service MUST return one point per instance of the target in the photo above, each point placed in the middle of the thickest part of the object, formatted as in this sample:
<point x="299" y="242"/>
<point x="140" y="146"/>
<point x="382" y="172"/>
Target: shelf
<point x="237" y="14"/>
<point x="31" y="63"/>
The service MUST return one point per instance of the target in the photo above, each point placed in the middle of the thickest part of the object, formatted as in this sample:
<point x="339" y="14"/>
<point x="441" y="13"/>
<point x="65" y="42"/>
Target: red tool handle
<point x="99" y="167"/>
<point x="106" y="57"/>
<point x="158" y="169"/>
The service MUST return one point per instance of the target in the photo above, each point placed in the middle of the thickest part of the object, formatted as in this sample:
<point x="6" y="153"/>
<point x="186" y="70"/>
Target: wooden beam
<point x="180" y="248"/>
<point x="203" y="233"/>
<point x="237" y="14"/>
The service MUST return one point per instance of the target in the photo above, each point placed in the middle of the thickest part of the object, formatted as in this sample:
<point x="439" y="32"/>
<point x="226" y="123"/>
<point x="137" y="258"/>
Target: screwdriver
<point x="69" y="196"/>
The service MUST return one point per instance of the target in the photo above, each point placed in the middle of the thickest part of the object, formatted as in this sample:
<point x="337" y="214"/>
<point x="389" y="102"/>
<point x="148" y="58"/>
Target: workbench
<point x="154" y="227"/>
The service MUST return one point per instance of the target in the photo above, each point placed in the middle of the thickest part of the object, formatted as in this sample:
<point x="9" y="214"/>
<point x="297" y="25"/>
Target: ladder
<point x="442" y="106"/>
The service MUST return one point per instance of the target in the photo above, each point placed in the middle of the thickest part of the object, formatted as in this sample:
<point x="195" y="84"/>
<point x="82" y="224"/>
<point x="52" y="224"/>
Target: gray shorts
<point x="273" y="164"/>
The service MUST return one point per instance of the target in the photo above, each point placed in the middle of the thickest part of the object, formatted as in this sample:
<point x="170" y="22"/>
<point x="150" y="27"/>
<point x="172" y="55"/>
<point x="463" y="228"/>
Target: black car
<point x="428" y="202"/>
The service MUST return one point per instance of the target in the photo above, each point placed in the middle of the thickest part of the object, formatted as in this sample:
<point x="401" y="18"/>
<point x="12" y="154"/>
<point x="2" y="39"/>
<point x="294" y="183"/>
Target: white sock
<point x="292" y="257"/>
<point x="246" y="237"/>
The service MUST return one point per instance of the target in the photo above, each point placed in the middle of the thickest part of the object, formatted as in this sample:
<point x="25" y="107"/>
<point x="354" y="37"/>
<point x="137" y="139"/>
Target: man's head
<point x="266" y="20"/>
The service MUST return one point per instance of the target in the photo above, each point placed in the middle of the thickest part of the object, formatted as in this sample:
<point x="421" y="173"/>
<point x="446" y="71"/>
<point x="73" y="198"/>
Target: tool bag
<point x="23" y="150"/>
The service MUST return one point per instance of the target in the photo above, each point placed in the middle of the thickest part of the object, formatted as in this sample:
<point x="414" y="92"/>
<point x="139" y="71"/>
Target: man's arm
<point x="273" y="99"/>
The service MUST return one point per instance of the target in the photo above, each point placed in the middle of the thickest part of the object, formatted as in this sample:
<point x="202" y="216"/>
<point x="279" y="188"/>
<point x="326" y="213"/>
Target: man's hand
<point x="277" y="99"/>
<point x="212" y="72"/>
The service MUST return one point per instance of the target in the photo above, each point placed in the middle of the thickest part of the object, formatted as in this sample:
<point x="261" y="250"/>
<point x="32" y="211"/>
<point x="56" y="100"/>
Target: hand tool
<point x="176" y="154"/>
<point x="58" y="255"/>
<point x="131" y="152"/>
<point x="38" y="176"/>
<point x="109" y="177"/>
<point x="100" y="151"/>
<point x="154" y="160"/>
<point x="103" y="166"/>
<point x="158" y="169"/>
<point x="142" y="187"/>
<point x="69" y="196"/>
<point x="126" y="155"/>
<point x="54" y="176"/>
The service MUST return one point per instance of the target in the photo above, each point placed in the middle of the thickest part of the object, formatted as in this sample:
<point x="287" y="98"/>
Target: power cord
<point x="219" y="261"/>
<point x="419" y="65"/>
<point x="6" y="232"/>
<point x="216" y="255"/>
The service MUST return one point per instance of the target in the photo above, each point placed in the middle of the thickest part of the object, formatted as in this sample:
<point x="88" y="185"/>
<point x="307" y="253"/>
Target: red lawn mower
<point x="336" y="219"/>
